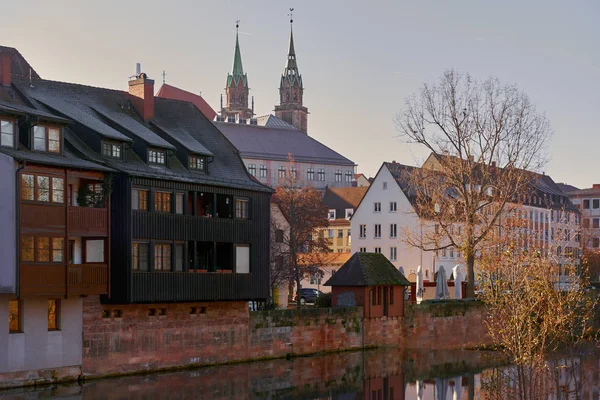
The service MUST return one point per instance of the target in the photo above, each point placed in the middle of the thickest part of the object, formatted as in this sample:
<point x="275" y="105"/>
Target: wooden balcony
<point x="87" y="221"/>
<point x="87" y="279"/>
<point x="61" y="280"/>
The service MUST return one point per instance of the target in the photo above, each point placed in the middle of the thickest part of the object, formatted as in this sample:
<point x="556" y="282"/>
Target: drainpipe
<point x="18" y="229"/>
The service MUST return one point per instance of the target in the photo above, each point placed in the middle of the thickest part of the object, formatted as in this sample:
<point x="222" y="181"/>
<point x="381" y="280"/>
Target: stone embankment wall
<point x="132" y="338"/>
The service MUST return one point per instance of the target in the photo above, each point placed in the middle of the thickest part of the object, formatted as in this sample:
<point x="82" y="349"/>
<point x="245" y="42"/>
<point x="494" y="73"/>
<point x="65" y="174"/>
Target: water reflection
<point x="388" y="374"/>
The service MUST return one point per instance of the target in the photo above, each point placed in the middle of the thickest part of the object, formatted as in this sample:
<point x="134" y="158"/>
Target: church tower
<point x="291" y="90"/>
<point x="236" y="90"/>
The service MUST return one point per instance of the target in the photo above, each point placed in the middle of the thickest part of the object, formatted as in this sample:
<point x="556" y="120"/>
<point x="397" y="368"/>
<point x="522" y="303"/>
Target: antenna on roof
<point x="138" y="69"/>
<point x="164" y="75"/>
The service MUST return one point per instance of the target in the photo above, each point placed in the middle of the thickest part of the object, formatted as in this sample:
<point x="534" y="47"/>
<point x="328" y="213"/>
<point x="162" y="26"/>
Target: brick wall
<point x="129" y="338"/>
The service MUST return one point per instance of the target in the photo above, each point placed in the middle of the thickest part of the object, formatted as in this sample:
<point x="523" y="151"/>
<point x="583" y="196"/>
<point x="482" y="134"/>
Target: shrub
<point x="323" y="300"/>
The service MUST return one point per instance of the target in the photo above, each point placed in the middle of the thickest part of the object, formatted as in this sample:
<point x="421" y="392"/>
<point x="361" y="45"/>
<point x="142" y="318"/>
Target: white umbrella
<point x="457" y="395"/>
<point x="441" y="285"/>
<point x="458" y="280"/>
<point x="419" y="388"/>
<point x="441" y="386"/>
<point x="419" y="286"/>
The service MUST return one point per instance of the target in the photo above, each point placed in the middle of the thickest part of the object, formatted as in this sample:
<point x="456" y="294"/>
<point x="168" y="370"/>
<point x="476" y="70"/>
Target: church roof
<point x="171" y="92"/>
<point x="367" y="269"/>
<point x="237" y="72"/>
<point x="272" y="121"/>
<point x="264" y="142"/>
<point x="291" y="73"/>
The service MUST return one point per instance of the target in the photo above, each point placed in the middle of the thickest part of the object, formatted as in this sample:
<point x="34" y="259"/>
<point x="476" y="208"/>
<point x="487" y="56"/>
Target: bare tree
<point x="484" y="139"/>
<point x="304" y="214"/>
<point x="281" y="272"/>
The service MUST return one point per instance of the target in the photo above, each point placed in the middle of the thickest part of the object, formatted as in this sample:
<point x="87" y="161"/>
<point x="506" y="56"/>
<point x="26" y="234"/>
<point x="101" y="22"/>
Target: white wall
<point x="405" y="218"/>
<point x="8" y="218"/>
<point x="94" y="250"/>
<point x="36" y="347"/>
<point x="302" y="168"/>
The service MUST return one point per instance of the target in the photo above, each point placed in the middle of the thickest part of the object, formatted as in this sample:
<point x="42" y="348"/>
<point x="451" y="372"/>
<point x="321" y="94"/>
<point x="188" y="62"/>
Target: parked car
<point x="308" y="295"/>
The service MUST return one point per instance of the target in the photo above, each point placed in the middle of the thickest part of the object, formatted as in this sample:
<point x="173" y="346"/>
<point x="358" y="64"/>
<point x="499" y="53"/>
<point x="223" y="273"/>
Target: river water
<point x="382" y="374"/>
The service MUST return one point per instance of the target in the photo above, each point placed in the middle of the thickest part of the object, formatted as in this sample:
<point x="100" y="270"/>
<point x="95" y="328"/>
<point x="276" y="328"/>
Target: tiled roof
<point x="19" y="109"/>
<point x="584" y="192"/>
<point x="272" y="121"/>
<point x="254" y="141"/>
<point x="342" y="198"/>
<point x="20" y="68"/>
<point x="566" y="188"/>
<point x="171" y="92"/>
<point x="367" y="269"/>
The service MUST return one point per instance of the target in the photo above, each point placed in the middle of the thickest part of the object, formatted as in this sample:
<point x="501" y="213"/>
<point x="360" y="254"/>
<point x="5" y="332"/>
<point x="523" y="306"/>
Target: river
<point x="382" y="374"/>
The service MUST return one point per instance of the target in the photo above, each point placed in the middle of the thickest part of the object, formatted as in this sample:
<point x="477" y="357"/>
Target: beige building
<point x="341" y="204"/>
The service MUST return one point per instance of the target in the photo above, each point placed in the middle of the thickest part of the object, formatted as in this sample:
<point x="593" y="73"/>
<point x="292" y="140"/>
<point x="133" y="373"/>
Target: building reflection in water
<point x="372" y="375"/>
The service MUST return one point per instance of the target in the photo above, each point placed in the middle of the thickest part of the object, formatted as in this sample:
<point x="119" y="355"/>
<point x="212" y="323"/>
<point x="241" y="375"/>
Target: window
<point x="596" y="243"/>
<point x="377" y="207"/>
<point x="377" y="231"/>
<point x="293" y="172"/>
<point x="42" y="188"/>
<point x="162" y="257"/>
<point x="315" y="279"/>
<point x="7" y="133"/>
<point x="340" y="233"/>
<point x="42" y="192"/>
<point x="331" y="214"/>
<point x="349" y="175"/>
<point x="178" y="203"/>
<point x="378" y="250"/>
<point x="451" y="252"/>
<point x="393" y="230"/>
<point x="140" y="257"/>
<point x="585" y="223"/>
<point x="363" y="250"/>
<point x="27" y="187"/>
<point x="162" y="202"/>
<point x="58" y="190"/>
<point x="53" y="314"/>
<point x="112" y="150"/>
<point x="393" y="206"/>
<point x="46" y="139"/>
<point x="330" y="233"/>
<point x="263" y="171"/>
<point x="139" y="199"/>
<point x="596" y="203"/>
<point x="349" y="212"/>
<point x="42" y="249"/>
<point x="279" y="236"/>
<point x="179" y="258"/>
<point x="198" y="163"/>
<point x="363" y="231"/>
<point x="252" y="169"/>
<point x="338" y="175"/>
<point x="321" y="174"/>
<point x="15" y="312"/>
<point x="384" y="185"/>
<point x="241" y="208"/>
<point x="310" y="174"/>
<point x="281" y="172"/>
<point x="393" y="253"/>
<point x="586" y="204"/>
<point x="595" y="223"/>
<point x="443" y="253"/>
<point x="156" y="157"/>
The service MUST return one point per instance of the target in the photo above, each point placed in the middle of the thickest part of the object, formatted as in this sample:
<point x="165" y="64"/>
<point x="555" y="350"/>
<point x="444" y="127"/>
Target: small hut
<point x="371" y="281"/>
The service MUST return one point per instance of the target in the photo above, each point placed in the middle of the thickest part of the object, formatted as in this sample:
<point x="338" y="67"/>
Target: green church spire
<point x="237" y="72"/>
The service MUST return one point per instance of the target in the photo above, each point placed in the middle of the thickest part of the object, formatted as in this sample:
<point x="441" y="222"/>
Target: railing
<point x="42" y="279"/>
<point x="88" y="221"/>
<point x="87" y="279"/>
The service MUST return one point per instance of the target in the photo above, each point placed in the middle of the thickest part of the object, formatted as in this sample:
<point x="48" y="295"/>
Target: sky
<point x="359" y="59"/>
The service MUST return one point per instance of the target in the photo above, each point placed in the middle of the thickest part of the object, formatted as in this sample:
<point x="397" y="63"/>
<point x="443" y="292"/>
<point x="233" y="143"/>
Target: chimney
<point x="596" y="186"/>
<point x="141" y="95"/>
<point x="5" y="71"/>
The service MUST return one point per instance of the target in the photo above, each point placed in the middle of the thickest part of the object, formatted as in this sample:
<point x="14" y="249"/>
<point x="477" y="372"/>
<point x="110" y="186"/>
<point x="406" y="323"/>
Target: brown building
<point x="369" y="280"/>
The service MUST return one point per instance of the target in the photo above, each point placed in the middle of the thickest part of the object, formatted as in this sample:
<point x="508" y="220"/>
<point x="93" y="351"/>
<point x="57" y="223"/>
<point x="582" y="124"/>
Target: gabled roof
<point x="367" y="269"/>
<point x="261" y="142"/>
<point x="19" y="109"/>
<point x="175" y="93"/>
<point x="566" y="188"/>
<point x="271" y="121"/>
<point x="20" y="68"/>
<point x="342" y="198"/>
<point x="593" y="191"/>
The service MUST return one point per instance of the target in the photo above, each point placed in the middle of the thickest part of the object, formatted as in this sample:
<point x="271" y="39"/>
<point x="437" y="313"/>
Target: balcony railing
<point x="87" y="279"/>
<point x="88" y="221"/>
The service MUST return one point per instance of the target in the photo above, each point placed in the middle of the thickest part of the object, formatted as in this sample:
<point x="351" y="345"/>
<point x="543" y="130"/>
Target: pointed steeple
<point x="291" y="61"/>
<point x="237" y="72"/>
<point x="291" y="67"/>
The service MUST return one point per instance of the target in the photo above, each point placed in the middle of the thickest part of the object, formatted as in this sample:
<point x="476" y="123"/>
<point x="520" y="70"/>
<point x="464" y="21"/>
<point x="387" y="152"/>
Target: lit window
<point x="162" y="202"/>
<point x="139" y="199"/>
<point x="112" y="150"/>
<point x="140" y="256"/>
<point x="197" y="163"/>
<point x="310" y="174"/>
<point x="7" y="133"/>
<point x="15" y="313"/>
<point x="338" y="175"/>
<point x="263" y="171"/>
<point x="162" y="257"/>
<point x="46" y="139"/>
<point x="53" y="314"/>
<point x="156" y="157"/>
<point x="241" y="208"/>
<point x="252" y="169"/>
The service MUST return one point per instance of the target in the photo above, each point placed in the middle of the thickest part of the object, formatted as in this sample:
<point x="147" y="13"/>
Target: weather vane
<point x="291" y="14"/>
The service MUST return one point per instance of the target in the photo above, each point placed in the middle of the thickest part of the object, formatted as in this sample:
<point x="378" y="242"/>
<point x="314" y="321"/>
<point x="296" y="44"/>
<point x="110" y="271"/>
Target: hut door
<point x="385" y="301"/>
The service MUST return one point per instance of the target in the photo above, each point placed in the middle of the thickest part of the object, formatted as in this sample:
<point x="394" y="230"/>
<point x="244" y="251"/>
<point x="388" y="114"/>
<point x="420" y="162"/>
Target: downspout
<point x="18" y="229"/>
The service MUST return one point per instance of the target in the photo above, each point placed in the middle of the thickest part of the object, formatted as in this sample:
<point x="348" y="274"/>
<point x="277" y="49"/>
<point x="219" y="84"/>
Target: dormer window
<point x="331" y="214"/>
<point x="349" y="212"/>
<point x="197" y="163"/>
<point x="47" y="138"/>
<point x="156" y="157"/>
<point x="111" y="149"/>
<point x="7" y="133"/>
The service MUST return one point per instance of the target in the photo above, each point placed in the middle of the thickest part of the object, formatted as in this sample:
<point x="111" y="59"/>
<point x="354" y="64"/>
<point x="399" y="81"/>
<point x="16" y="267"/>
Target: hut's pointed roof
<point x="368" y="269"/>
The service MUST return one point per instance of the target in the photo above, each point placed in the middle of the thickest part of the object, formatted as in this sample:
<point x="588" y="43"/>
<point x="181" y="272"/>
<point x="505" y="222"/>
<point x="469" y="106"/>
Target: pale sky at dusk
<point x="358" y="59"/>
